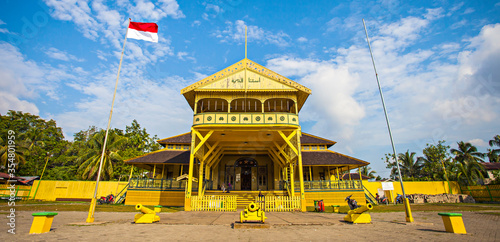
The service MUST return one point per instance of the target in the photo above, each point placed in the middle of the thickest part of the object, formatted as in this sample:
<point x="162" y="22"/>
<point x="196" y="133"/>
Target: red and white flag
<point x="143" y="31"/>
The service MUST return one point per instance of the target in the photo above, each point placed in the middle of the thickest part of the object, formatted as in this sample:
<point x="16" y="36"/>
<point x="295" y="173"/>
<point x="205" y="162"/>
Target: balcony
<point x="246" y="118"/>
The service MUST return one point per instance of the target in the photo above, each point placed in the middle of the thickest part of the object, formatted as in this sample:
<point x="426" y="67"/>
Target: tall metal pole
<point x="408" y="212"/>
<point x="90" y="217"/>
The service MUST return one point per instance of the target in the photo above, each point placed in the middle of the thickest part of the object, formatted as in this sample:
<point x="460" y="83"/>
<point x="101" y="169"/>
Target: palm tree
<point x="88" y="169"/>
<point x="410" y="167"/>
<point x="467" y="163"/>
<point x="494" y="154"/>
<point x="366" y="171"/>
<point x="4" y="154"/>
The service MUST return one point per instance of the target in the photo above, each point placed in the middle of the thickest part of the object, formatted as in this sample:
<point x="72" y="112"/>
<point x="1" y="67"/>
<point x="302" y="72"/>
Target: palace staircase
<point x="243" y="198"/>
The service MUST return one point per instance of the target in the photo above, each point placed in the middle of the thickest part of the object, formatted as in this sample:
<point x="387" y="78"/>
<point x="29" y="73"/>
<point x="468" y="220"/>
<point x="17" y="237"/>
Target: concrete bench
<point x="453" y="222"/>
<point x="336" y="208"/>
<point x="42" y="222"/>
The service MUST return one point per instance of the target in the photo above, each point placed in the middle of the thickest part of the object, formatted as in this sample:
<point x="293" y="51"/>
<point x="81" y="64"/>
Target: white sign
<point x="387" y="186"/>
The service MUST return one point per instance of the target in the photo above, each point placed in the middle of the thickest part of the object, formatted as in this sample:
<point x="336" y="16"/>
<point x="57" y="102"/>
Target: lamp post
<point x="40" y="181"/>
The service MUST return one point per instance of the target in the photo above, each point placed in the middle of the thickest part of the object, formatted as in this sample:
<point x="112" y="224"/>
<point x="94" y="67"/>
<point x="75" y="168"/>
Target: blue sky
<point x="438" y="63"/>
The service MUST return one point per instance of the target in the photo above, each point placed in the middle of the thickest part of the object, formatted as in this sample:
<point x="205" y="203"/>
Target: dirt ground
<point x="217" y="226"/>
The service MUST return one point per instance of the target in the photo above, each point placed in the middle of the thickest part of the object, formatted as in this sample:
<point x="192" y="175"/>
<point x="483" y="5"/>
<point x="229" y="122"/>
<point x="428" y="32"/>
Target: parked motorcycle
<point x="109" y="199"/>
<point x="399" y="198"/>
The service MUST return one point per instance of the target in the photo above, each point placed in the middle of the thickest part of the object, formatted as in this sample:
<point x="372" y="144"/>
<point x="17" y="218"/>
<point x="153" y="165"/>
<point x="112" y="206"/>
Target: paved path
<point x="216" y="226"/>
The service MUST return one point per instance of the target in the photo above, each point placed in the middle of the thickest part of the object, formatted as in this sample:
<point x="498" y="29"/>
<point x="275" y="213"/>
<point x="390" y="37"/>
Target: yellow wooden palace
<point x="246" y="133"/>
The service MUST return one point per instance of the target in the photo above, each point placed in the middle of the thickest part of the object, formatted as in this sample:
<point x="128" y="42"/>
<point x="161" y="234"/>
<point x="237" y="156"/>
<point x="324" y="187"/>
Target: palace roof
<point x="279" y="82"/>
<point x="328" y="157"/>
<point x="306" y="139"/>
<point x="309" y="158"/>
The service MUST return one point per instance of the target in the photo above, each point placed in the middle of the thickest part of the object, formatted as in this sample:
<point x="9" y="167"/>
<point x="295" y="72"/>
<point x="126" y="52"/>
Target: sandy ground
<point x="217" y="226"/>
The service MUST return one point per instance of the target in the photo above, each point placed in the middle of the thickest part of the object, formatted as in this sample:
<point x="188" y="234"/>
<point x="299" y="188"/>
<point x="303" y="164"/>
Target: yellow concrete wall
<point x="51" y="190"/>
<point x="334" y="197"/>
<point x="423" y="187"/>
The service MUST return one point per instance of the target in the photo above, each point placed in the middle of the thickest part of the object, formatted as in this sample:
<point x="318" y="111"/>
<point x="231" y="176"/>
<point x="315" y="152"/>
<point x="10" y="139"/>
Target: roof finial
<point x="245" y="41"/>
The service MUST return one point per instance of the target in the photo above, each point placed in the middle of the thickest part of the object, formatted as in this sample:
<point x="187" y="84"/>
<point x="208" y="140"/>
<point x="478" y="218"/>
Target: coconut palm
<point x="409" y="166"/>
<point x="91" y="159"/>
<point x="18" y="150"/>
<point x="366" y="171"/>
<point x="467" y="163"/>
<point x="494" y="154"/>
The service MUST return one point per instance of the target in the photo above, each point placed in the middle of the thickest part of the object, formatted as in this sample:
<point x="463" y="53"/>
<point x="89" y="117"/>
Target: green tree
<point x="35" y="138"/>
<point x="91" y="159"/>
<point x="435" y="161"/>
<point x="467" y="168"/>
<point x="494" y="154"/>
<point x="410" y="166"/>
<point x="366" y="171"/>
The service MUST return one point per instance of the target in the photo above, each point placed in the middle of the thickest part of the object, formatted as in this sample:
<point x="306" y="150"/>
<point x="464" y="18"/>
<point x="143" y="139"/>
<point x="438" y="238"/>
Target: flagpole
<point x="409" y="218"/>
<point x="90" y="217"/>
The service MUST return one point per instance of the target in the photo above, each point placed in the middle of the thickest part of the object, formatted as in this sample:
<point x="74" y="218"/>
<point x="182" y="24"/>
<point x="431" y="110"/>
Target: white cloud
<point x="478" y="142"/>
<point x="235" y="32"/>
<point x="469" y="10"/>
<point x="302" y="39"/>
<point x="61" y="55"/>
<point x="165" y="8"/>
<point x="22" y="81"/>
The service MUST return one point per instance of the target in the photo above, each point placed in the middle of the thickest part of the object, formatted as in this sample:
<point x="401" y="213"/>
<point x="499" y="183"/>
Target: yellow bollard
<point x="42" y="222"/>
<point x="453" y="223"/>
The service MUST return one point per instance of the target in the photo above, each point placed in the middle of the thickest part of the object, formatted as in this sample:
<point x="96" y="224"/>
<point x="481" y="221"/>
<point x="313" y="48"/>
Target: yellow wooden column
<point x="194" y="148"/>
<point x="200" y="179"/>
<point x="310" y="173"/>
<point x="189" y="189"/>
<point x="292" y="181"/>
<point x="301" y="174"/>
<point x="360" y="177"/>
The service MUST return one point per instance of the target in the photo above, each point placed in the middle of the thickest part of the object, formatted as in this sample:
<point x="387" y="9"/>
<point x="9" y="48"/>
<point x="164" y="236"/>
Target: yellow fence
<point x="20" y="191"/>
<point x="487" y="193"/>
<point x="415" y="187"/>
<point x="278" y="204"/>
<point x="213" y="203"/>
<point x="52" y="190"/>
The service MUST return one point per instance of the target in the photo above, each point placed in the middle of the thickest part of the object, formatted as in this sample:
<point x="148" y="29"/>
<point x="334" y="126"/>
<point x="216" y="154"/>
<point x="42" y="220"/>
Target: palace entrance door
<point x="246" y="165"/>
<point x="246" y="178"/>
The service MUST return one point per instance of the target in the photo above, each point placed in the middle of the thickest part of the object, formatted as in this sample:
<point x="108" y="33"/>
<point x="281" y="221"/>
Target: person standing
<point x="229" y="186"/>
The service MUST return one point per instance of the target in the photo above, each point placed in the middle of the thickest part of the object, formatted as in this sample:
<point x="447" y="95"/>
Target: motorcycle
<point x="399" y="198"/>
<point x="109" y="199"/>
<point x="351" y="202"/>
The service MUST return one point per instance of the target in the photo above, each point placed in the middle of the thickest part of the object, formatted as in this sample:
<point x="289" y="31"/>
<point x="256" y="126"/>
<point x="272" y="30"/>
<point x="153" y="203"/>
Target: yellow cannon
<point x="252" y="213"/>
<point x="146" y="216"/>
<point x="357" y="216"/>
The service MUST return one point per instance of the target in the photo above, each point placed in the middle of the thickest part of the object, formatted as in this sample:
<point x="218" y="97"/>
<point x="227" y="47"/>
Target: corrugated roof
<point x="178" y="139"/>
<point x="311" y="158"/>
<point x="354" y="176"/>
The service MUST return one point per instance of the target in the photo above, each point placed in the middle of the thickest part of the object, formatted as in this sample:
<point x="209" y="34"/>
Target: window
<point x="306" y="176"/>
<point x="186" y="147"/>
<point x="178" y="147"/>
<point x="321" y="147"/>
<point x="170" y="147"/>
<point x="305" y="147"/>
<point x="314" y="147"/>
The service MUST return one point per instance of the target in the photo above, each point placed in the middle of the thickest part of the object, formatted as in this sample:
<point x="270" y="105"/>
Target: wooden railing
<point x="330" y="185"/>
<point x="278" y="204"/>
<point x="213" y="203"/>
<point x="246" y="118"/>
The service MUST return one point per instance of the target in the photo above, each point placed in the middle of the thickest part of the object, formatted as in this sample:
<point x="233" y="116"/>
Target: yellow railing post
<point x="301" y="175"/>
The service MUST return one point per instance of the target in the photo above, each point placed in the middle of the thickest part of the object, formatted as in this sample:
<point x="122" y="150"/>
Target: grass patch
<point x="79" y="206"/>
<point x="425" y="207"/>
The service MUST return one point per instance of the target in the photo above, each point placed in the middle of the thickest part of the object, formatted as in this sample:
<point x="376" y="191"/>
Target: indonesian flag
<point x="143" y="31"/>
